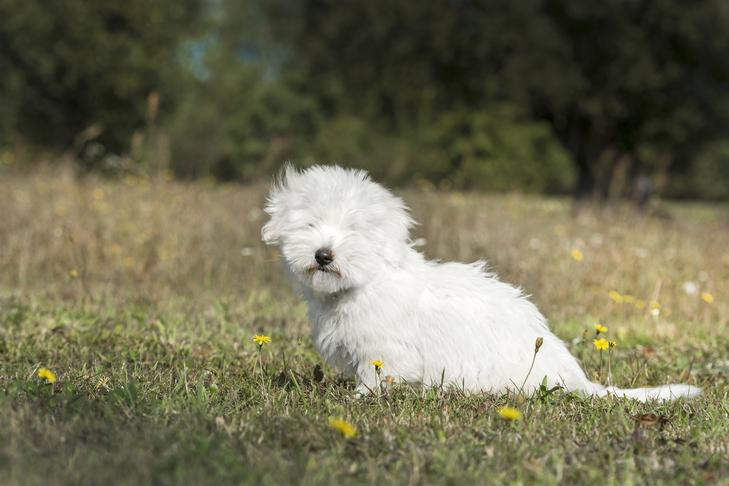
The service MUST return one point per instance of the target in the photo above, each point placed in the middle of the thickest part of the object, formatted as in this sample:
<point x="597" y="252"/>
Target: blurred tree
<point x="76" y="67"/>
<point x="648" y="82"/>
<point x="707" y="177"/>
<point x="642" y="81"/>
<point x="240" y="120"/>
<point x="485" y="94"/>
<point x="236" y="125"/>
<point x="496" y="149"/>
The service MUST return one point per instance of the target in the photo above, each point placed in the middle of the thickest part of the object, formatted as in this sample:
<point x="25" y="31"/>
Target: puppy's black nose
<point x="324" y="256"/>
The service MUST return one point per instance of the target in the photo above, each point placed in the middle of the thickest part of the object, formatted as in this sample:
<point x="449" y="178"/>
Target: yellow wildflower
<point x="577" y="255"/>
<point x="707" y="297"/>
<point x="49" y="376"/>
<point x="601" y="343"/>
<point x="628" y="299"/>
<point x="348" y="430"/>
<point x="510" y="413"/>
<point x="612" y="344"/>
<point x="261" y="340"/>
<point x="615" y="296"/>
<point x="377" y="364"/>
<point x="600" y="328"/>
<point x="73" y="273"/>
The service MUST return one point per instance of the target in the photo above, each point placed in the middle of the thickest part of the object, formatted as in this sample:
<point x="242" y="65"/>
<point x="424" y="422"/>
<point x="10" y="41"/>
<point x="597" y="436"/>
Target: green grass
<point x="143" y="299"/>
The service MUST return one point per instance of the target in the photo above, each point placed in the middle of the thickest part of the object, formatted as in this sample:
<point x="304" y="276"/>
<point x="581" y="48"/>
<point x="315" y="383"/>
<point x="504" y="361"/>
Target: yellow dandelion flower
<point x="73" y="273"/>
<point x="261" y="340"/>
<point x="377" y="364"/>
<point x="601" y="344"/>
<point x="600" y="328"/>
<point x="510" y="413"/>
<point x="707" y="297"/>
<point x="615" y="296"/>
<point x="577" y="255"/>
<point x="49" y="376"/>
<point x="612" y="344"/>
<point x="348" y="430"/>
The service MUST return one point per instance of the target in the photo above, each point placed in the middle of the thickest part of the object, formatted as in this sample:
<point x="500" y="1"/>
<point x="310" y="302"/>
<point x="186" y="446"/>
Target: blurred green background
<point x="611" y="99"/>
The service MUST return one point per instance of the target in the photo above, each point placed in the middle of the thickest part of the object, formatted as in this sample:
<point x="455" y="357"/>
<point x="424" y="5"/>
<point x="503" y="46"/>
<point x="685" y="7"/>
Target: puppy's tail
<point x="661" y="393"/>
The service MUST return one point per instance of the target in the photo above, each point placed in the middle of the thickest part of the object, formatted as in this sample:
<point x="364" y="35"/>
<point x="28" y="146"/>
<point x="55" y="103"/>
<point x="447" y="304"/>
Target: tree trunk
<point x="608" y="163"/>
<point x="585" y="187"/>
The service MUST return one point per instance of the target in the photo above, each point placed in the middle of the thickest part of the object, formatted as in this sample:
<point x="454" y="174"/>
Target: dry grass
<point x="156" y="287"/>
<point x="154" y="241"/>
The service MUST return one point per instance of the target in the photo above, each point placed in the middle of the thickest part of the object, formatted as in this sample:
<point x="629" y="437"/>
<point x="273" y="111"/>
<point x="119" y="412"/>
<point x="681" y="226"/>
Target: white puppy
<point x="371" y="296"/>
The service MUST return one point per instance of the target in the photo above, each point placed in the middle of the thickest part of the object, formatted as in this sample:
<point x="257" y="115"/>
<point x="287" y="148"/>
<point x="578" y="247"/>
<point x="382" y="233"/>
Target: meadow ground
<point x="142" y="297"/>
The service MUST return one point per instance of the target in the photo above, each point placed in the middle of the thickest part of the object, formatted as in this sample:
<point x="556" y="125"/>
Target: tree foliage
<point x="539" y="95"/>
<point x="67" y="66"/>
<point x="614" y="79"/>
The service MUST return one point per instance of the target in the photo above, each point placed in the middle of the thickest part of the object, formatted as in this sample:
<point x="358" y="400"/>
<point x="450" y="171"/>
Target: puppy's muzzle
<point x="324" y="256"/>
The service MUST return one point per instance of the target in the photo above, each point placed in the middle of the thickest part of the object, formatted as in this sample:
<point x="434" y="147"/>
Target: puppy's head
<point x="335" y="227"/>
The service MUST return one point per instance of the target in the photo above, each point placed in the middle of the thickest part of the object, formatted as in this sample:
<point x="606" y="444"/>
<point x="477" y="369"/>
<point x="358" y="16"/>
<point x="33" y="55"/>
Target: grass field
<point x="142" y="297"/>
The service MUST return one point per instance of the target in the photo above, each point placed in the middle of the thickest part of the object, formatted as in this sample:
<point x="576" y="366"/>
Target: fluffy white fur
<point x="431" y="323"/>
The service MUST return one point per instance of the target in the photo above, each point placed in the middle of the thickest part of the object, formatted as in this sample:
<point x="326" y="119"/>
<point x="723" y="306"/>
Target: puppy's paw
<point x="363" y="391"/>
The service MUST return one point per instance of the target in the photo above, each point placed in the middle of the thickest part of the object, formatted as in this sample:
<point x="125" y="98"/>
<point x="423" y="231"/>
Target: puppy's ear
<point x="271" y="233"/>
<point x="276" y="203"/>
